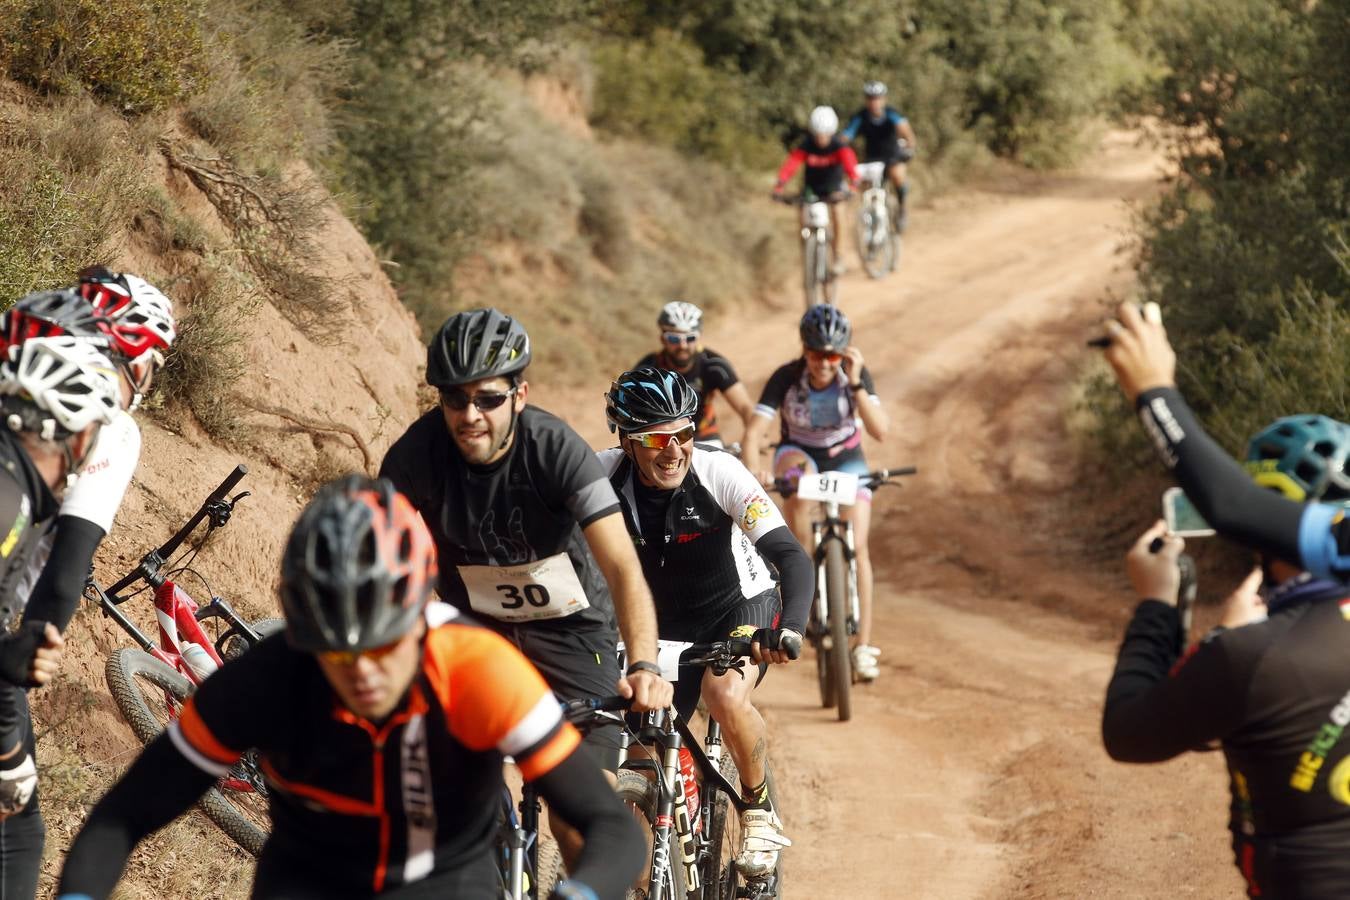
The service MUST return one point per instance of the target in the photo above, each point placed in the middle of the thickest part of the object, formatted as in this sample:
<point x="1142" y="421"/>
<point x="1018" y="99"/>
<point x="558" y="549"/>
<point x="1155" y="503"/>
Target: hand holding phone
<point x="1181" y="516"/>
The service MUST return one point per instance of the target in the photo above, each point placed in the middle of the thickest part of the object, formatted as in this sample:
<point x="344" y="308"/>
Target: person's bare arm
<point x="756" y="430"/>
<point x="873" y="415"/>
<point x="612" y="547"/>
<point x="906" y="132"/>
<point x="739" y="400"/>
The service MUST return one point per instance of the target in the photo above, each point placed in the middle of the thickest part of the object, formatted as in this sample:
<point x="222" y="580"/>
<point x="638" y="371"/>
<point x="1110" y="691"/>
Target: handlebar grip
<point x="611" y="704"/>
<point x="791" y="644"/>
<point x="228" y="484"/>
<point x="896" y="473"/>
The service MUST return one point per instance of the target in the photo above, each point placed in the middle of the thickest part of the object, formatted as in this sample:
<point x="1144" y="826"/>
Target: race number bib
<point x="840" y="487"/>
<point x="544" y="589"/>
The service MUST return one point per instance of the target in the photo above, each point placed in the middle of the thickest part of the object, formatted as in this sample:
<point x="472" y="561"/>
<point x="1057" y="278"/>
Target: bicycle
<point x="834" y="614"/>
<point x="530" y="868"/>
<point x="878" y="238"/>
<point x="819" y="283"/>
<point x="150" y="682"/>
<point x="693" y="855"/>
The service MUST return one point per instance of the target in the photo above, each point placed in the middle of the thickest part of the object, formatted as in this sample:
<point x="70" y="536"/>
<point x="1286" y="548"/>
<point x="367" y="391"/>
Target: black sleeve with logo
<point x="718" y="375"/>
<point x="779" y="383"/>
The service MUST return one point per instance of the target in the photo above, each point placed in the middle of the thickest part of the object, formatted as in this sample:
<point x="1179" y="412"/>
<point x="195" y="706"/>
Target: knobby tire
<point x="720" y="877"/>
<point x="125" y="671"/>
<point x="836" y="594"/>
<point x="638" y="793"/>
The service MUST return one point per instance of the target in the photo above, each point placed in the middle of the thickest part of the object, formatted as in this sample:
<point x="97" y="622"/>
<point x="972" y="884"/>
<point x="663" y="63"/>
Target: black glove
<point x="16" y="652"/>
<point x="785" y="639"/>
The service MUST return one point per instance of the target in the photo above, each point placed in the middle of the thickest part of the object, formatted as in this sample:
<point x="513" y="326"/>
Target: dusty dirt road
<point x="973" y="767"/>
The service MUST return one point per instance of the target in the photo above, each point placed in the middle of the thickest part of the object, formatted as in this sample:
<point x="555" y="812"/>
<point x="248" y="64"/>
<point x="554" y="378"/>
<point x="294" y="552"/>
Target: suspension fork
<point x="527" y="856"/>
<point x="669" y="804"/>
<point x="854" y="610"/>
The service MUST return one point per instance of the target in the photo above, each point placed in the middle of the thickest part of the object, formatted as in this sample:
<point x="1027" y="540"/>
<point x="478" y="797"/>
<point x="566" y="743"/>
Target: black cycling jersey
<point x="880" y="141"/>
<point x="1313" y="536"/>
<point x="524" y="513"/>
<point x="700" y="543"/>
<point x="828" y="169"/>
<point x="708" y="371"/>
<point x="1277" y="694"/>
<point x="363" y="808"/>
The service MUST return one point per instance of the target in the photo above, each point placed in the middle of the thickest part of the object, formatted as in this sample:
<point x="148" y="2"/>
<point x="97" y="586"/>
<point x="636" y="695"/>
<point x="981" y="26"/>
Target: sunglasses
<point x="660" y="440"/>
<point x="824" y="356"/>
<point x="482" y="401"/>
<point x="675" y="339"/>
<point x="350" y="657"/>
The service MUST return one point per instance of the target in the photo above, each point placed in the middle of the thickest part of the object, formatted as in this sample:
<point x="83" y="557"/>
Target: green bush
<point x="138" y="55"/>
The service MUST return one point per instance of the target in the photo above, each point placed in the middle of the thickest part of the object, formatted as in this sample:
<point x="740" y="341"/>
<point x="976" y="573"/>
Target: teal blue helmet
<point x="1306" y="458"/>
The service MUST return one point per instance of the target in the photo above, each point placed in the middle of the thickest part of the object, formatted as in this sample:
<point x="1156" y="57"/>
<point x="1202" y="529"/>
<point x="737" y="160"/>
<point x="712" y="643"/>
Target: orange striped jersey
<point x="382" y="804"/>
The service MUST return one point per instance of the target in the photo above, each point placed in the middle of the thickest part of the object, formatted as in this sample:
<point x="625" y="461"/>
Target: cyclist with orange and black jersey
<point x="831" y="167"/>
<point x="1271" y="684"/>
<point x="380" y="722"/>
<point x="706" y="371"/>
<point x="526" y="525"/>
<point x="826" y="400"/>
<point x="1315" y="536"/>
<point x="709" y="541"/>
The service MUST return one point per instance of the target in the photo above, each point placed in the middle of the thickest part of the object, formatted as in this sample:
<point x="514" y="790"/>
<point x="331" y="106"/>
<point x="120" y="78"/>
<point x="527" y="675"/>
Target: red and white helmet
<point x="58" y="386"/>
<point x="141" y="316"/>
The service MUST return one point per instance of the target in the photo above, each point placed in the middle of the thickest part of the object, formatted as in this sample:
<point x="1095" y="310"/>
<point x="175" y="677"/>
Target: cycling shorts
<point x="278" y="878"/>
<point x="899" y="156"/>
<point x="792" y="461"/>
<point x="578" y="660"/>
<point x="740" y="621"/>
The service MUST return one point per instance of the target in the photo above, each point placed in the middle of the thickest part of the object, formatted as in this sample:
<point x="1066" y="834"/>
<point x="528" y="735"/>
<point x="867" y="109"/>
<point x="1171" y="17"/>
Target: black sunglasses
<point x="482" y="401"/>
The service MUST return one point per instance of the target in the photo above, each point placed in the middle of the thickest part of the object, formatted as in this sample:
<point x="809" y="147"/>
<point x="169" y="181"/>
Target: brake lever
<point x="219" y="512"/>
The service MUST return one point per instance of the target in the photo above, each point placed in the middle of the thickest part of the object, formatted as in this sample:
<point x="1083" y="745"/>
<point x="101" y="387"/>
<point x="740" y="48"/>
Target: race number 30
<point x="514" y="596"/>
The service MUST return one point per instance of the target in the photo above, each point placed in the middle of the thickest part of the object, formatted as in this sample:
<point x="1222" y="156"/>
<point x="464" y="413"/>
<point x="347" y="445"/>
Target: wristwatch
<point x="856" y="387"/>
<point x="643" y="665"/>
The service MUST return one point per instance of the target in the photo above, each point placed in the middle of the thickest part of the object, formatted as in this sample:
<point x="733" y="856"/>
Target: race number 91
<point x="515" y="596"/>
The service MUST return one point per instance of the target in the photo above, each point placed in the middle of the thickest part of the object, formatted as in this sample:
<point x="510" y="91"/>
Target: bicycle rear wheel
<point x="836" y="594"/>
<point x="150" y="695"/>
<point x="639" y="794"/>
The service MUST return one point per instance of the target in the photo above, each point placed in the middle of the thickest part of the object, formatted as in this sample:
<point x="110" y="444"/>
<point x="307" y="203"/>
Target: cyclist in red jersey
<point x="829" y="160"/>
<point x="706" y="371"/>
<point x="380" y="722"/>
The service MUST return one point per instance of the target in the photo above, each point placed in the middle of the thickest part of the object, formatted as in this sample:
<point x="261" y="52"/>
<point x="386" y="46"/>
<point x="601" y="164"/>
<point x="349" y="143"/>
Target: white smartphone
<point x="1181" y="516"/>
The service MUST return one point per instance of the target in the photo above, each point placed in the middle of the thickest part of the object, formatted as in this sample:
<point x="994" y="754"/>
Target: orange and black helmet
<point x="358" y="568"/>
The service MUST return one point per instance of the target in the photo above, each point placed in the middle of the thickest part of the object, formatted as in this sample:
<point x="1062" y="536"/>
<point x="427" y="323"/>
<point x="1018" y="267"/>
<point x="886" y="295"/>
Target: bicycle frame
<point x="522" y="842"/>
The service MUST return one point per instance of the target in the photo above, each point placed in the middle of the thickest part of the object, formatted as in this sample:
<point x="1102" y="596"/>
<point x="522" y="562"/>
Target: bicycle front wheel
<point x="836" y="595"/>
<point x="150" y="695"/>
<point x="810" y="286"/>
<point x="720" y="878"/>
<point x="639" y="794"/>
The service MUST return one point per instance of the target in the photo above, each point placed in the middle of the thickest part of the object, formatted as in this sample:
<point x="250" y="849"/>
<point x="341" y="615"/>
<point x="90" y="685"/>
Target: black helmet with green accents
<point x="1306" y="458"/>
<point x="477" y="344"/>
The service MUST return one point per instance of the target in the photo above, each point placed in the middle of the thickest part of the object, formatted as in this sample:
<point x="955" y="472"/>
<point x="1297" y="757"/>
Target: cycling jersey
<point x="1277" y="694"/>
<point x="509" y="534"/>
<point x="361" y="808"/>
<point x="826" y="167"/>
<point x="708" y="371"/>
<point x="1316" y="537"/>
<point x="697" y="543"/>
<point x="825" y="418"/>
<point x="880" y="141"/>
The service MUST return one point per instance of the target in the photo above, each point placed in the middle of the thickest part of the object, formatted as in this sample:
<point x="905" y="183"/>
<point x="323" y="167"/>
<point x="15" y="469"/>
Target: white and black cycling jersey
<point x="697" y="542"/>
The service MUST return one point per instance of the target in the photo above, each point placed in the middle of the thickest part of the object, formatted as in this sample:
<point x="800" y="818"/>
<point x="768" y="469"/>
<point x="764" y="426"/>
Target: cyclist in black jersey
<point x="56" y="393"/>
<point x="1315" y="536"/>
<point x="1272" y="683"/>
<point x="887" y="137"/>
<point x="380" y="721"/>
<point x="527" y="525"/>
<point x="709" y="541"/>
<point x="707" y="371"/>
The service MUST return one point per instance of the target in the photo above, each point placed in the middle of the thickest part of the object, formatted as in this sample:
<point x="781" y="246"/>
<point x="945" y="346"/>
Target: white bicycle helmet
<point x="142" y="317"/>
<point x="680" y="316"/>
<point x="823" y="121"/>
<point x="874" y="89"/>
<point x="57" y="386"/>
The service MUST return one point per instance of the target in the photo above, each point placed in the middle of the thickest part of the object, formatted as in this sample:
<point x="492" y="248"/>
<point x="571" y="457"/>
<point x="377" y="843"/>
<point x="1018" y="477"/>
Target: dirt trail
<point x="973" y="767"/>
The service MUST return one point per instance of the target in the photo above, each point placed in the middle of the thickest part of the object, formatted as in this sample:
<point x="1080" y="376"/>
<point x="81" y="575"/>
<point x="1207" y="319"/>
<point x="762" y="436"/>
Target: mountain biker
<point x="831" y="166"/>
<point x="826" y="400"/>
<point x="707" y="371"/>
<point x="526" y="525"/>
<point x="380" y="721"/>
<point x="704" y="530"/>
<point x="1270" y="684"/>
<point x="56" y="393"/>
<point x="1315" y="536"/>
<point x="887" y="138"/>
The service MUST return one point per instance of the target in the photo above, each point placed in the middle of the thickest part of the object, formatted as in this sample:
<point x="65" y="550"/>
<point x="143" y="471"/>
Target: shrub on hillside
<point x="136" y="54"/>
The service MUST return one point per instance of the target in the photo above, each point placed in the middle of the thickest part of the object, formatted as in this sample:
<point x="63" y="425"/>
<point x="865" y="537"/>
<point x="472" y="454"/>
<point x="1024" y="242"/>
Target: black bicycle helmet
<point x="358" y="568"/>
<point x="477" y="344"/>
<point x="825" y="327"/>
<point x="648" y="396"/>
<point x="54" y="313"/>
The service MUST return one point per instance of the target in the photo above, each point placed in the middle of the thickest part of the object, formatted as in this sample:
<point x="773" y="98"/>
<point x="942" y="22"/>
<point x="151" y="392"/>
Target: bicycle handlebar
<point x="153" y="561"/>
<point x="804" y="199"/>
<point x="872" y="479"/>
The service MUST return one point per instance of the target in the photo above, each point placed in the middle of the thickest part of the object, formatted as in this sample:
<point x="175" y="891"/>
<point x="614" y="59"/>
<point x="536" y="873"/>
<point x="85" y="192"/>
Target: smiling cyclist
<point x="826" y="400"/>
<point x="380" y="721"/>
<point x="706" y="371"/>
<point x="710" y="541"/>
